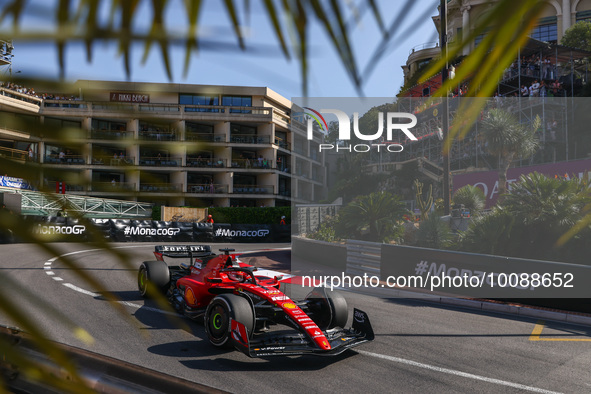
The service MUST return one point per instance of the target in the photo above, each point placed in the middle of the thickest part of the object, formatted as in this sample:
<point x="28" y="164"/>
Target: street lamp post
<point x="444" y="112"/>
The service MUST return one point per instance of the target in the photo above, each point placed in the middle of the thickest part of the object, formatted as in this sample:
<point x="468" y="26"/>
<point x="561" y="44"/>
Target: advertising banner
<point x="251" y="233"/>
<point x="60" y="229"/>
<point x="482" y="276"/>
<point x="17" y="183"/>
<point x="488" y="181"/>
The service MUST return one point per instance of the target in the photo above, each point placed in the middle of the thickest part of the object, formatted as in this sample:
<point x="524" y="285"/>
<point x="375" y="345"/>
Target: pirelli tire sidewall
<point x="153" y="273"/>
<point x="218" y="314"/>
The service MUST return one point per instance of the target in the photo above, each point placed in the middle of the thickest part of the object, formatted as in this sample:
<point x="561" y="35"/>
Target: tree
<point x="578" y="36"/>
<point x="472" y="197"/>
<point x="373" y="217"/>
<point x="533" y="216"/>
<point x="508" y="139"/>
<point x="433" y="233"/>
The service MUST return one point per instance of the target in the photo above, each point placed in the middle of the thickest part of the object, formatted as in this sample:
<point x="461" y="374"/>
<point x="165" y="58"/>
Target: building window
<point x="237" y="101"/>
<point x="584" y="16"/>
<point x="199" y="99"/>
<point x="547" y="30"/>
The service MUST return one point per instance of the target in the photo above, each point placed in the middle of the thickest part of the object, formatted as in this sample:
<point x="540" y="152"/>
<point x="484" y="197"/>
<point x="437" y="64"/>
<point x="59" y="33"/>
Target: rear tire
<point x="218" y="314"/>
<point x="328" y="311"/>
<point x="153" y="276"/>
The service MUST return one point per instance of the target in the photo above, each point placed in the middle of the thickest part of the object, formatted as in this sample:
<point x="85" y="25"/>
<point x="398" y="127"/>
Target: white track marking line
<point x="457" y="373"/>
<point x="81" y="290"/>
<point x="47" y="266"/>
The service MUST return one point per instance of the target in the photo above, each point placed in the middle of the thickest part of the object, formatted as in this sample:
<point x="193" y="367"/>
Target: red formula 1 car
<point x="240" y="307"/>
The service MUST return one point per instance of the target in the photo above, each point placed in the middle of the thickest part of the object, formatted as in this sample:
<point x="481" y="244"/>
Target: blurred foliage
<point x="250" y="215"/>
<point x="472" y="197"/>
<point x="534" y="215"/>
<point x="434" y="233"/>
<point x="375" y="217"/>
<point x="326" y="231"/>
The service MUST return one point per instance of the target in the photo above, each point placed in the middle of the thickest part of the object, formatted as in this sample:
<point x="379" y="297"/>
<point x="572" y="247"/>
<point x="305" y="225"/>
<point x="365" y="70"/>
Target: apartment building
<point x="171" y="144"/>
<point x="463" y="15"/>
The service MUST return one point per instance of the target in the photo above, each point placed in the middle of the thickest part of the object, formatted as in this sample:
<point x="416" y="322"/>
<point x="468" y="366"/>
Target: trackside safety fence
<point x="120" y="230"/>
<point x="363" y="258"/>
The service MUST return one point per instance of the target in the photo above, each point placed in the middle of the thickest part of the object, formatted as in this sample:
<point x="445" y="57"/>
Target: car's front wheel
<point x="218" y="314"/>
<point x="328" y="309"/>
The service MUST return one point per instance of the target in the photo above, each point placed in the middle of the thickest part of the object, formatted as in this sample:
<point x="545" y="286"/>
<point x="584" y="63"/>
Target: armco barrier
<point x="319" y="252"/>
<point x="410" y="261"/>
<point x="363" y="258"/>
<point x="121" y="230"/>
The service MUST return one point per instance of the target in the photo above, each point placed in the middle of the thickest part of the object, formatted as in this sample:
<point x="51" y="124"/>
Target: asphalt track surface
<point x="419" y="347"/>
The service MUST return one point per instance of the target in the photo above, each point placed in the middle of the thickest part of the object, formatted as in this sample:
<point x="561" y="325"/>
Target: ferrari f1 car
<point x="240" y="308"/>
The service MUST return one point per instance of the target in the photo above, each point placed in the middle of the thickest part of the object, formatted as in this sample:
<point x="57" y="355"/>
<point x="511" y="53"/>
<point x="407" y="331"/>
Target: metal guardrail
<point x="101" y="373"/>
<point x="38" y="203"/>
<point x="363" y="258"/>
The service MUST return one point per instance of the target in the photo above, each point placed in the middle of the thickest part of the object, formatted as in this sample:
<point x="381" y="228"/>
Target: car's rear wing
<point x="178" y="251"/>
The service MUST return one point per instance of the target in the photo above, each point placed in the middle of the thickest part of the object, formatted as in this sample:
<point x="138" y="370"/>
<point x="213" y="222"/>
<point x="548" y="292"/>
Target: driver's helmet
<point x="237" y="276"/>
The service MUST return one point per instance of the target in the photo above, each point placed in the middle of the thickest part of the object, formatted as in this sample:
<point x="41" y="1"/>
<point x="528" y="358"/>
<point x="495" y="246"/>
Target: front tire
<point x="153" y="276"/>
<point x="218" y="314"/>
<point x="328" y="309"/>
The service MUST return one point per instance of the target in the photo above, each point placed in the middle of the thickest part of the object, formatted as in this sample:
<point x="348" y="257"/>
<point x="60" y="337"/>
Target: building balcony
<point x="282" y="143"/>
<point x="210" y="188"/>
<point x="159" y="161"/>
<point x="114" y="187"/>
<point x="202" y="137"/>
<point x="67" y="159"/>
<point x="250" y="139"/>
<point x="254" y="189"/>
<point x="206" y="163"/>
<point x="256" y="164"/>
<point x="111" y="134"/>
<point x="98" y="160"/>
<point x="161" y="187"/>
<point x="156" y="135"/>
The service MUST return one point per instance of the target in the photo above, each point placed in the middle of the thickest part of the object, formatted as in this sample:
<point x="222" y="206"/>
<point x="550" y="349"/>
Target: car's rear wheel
<point x="153" y="276"/>
<point x="218" y="314"/>
<point x="328" y="309"/>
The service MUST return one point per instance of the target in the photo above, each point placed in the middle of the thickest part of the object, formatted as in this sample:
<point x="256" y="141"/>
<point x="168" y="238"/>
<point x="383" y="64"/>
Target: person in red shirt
<point x="282" y="221"/>
<point x="209" y="219"/>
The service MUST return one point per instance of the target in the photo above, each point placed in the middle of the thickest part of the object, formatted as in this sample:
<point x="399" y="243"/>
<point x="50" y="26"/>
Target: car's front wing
<point x="298" y="344"/>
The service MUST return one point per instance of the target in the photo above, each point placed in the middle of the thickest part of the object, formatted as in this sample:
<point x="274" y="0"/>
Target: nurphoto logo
<point x="393" y="123"/>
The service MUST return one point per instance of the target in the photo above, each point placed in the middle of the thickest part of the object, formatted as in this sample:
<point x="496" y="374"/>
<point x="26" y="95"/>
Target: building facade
<point x="171" y="144"/>
<point x="463" y="15"/>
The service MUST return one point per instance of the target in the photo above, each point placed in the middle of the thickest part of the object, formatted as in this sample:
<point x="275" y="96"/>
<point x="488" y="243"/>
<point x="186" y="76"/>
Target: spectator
<point x="209" y="219"/>
<point x="535" y="89"/>
<point x="282" y="221"/>
<point x="62" y="156"/>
